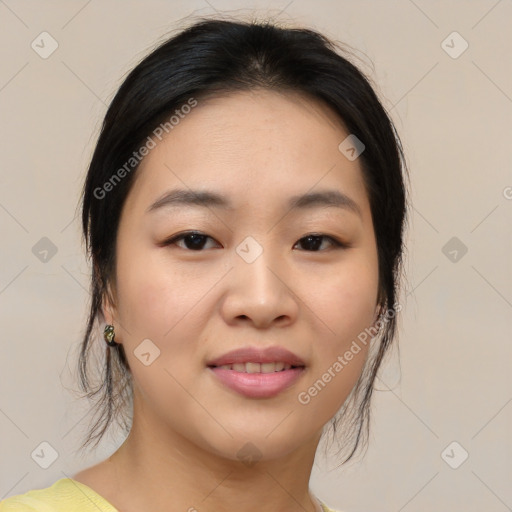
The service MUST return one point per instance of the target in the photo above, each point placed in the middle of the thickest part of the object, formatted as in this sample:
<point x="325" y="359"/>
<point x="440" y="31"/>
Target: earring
<point x="108" y="335"/>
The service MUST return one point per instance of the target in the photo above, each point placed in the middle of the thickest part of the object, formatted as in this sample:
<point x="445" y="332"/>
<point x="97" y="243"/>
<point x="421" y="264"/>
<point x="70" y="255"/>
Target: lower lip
<point x="258" y="385"/>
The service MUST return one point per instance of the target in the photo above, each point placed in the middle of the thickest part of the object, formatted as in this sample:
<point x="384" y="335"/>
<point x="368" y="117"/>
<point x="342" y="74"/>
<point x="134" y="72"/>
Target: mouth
<point x="257" y="373"/>
<point x="258" y="360"/>
<point x="252" y="367"/>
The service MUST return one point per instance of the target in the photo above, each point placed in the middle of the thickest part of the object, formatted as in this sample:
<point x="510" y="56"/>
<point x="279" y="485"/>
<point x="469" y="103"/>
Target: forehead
<point x="251" y="145"/>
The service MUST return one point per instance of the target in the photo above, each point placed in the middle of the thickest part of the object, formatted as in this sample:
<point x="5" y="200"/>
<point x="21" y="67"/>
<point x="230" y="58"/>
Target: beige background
<point x="455" y="118"/>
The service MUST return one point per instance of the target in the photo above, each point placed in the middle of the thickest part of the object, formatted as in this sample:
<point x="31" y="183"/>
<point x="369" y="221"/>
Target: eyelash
<point x="337" y="244"/>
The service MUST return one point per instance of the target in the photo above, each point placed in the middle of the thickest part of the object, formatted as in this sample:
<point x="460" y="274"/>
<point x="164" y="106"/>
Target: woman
<point x="244" y="210"/>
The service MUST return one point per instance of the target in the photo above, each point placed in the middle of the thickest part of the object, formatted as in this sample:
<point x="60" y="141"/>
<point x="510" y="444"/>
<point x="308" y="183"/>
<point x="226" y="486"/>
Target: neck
<point x="165" y="469"/>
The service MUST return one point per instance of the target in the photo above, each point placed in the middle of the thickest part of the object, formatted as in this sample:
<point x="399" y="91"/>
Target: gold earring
<point x="108" y="335"/>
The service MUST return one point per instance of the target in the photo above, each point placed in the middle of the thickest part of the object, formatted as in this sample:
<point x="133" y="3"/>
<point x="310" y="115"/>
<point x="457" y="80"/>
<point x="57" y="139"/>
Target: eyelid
<point x="180" y="236"/>
<point x="336" y="243"/>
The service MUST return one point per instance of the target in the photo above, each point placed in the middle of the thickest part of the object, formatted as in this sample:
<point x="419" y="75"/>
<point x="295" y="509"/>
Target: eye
<point x="193" y="240"/>
<point x="313" y="241"/>
<point x="196" y="241"/>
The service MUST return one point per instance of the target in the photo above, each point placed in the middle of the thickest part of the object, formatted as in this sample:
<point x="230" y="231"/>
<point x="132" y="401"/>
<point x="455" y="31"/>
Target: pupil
<point x="315" y="244"/>
<point x="197" y="241"/>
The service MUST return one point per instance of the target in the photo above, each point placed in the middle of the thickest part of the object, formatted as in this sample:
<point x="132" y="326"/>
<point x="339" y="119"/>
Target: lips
<point x="258" y="355"/>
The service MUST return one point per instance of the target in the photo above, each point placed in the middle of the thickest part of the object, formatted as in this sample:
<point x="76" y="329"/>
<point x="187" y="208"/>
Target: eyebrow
<point x="208" y="199"/>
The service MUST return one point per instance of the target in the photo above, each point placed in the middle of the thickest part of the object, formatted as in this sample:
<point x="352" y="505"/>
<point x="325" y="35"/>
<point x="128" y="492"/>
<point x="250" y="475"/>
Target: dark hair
<point x="214" y="57"/>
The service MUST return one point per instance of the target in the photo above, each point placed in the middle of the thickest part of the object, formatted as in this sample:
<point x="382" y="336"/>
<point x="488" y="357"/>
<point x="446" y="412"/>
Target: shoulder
<point x="64" y="495"/>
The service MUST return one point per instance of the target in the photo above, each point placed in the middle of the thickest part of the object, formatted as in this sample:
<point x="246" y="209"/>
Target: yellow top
<point x="65" y="495"/>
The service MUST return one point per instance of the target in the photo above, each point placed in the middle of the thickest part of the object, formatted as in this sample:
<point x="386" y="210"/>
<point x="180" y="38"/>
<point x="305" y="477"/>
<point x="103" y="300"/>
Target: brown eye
<point x="312" y="242"/>
<point x="192" y="240"/>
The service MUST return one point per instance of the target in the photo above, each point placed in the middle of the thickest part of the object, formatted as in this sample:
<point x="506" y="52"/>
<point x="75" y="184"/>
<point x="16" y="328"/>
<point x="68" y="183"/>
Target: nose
<point x="260" y="293"/>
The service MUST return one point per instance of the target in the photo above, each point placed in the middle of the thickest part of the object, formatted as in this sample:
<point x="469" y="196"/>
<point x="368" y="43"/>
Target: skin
<point x="258" y="148"/>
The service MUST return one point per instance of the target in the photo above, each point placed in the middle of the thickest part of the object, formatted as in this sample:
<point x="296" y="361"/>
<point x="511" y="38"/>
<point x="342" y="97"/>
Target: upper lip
<point x="258" y="355"/>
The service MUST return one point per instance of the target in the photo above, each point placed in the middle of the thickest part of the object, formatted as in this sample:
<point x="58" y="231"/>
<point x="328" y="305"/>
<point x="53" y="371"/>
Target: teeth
<point x="253" y="367"/>
<point x="268" y="367"/>
<point x="257" y="367"/>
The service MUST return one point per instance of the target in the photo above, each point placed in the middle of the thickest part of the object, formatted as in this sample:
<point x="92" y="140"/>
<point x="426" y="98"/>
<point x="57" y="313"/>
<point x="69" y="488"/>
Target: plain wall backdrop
<point x="443" y="69"/>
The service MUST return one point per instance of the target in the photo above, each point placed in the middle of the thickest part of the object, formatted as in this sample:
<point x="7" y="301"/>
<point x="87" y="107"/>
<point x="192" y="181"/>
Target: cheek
<point x="161" y="301"/>
<point x="156" y="303"/>
<point x="143" y="292"/>
<point x="346" y="301"/>
<point x="152" y="295"/>
<point x="346" y="309"/>
<point x="357" y="292"/>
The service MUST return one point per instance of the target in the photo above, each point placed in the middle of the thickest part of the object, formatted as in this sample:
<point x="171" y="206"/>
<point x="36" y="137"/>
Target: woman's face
<point x="252" y="278"/>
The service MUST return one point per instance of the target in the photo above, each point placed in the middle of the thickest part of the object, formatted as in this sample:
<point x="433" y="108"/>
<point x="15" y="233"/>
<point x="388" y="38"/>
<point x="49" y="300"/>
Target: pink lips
<point x="258" y="385"/>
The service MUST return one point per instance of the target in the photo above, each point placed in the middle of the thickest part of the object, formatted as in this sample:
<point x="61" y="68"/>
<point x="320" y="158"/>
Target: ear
<point x="106" y="311"/>
<point x="110" y="315"/>
<point x="108" y="308"/>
